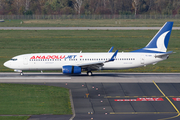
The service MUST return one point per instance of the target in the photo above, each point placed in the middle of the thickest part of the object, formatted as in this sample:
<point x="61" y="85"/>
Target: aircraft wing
<point x="97" y="65"/>
<point x="92" y="66"/>
<point x="111" y="49"/>
<point x="164" y="54"/>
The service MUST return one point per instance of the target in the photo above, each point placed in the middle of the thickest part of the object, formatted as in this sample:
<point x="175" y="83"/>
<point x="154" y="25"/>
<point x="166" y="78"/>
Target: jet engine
<point x="71" y="69"/>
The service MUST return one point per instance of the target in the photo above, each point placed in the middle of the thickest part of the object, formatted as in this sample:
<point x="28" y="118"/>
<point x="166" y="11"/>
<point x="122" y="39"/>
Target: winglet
<point x="114" y="56"/>
<point x="111" y="49"/>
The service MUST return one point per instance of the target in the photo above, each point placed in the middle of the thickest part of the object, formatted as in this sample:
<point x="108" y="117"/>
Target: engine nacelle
<point x="71" y="69"/>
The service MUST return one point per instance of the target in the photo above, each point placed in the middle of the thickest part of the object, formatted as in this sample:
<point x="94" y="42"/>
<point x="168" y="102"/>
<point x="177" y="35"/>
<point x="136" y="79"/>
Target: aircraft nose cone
<point x="7" y="64"/>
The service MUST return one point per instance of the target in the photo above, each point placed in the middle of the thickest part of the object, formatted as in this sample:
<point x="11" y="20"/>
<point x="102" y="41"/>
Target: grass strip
<point x="14" y="117"/>
<point x="88" y="23"/>
<point x="20" y="99"/>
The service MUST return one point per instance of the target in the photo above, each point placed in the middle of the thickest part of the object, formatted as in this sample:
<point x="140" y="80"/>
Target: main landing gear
<point x="21" y="73"/>
<point x="89" y="73"/>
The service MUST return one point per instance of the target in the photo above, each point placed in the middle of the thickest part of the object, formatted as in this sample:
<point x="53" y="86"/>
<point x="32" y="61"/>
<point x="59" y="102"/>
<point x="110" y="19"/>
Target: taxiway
<point x="105" y="96"/>
<point x="84" y="28"/>
<point x="96" y="78"/>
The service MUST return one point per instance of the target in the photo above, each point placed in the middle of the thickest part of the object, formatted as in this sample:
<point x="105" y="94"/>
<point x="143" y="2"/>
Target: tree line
<point x="89" y="7"/>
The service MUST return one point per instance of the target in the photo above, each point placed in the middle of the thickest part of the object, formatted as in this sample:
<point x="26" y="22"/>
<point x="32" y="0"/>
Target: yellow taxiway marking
<point x="169" y="102"/>
<point x="167" y="97"/>
<point x="143" y="113"/>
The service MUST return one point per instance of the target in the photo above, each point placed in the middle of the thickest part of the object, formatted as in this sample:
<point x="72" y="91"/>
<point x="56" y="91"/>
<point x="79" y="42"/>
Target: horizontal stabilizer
<point x="164" y="54"/>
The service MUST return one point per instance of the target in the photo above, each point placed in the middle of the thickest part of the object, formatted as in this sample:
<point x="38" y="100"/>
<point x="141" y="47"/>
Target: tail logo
<point x="160" y="43"/>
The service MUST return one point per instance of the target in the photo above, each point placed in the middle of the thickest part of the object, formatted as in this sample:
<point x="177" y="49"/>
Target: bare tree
<point x="93" y="5"/>
<point x="135" y="4"/>
<point x="77" y="6"/>
<point x="104" y="3"/>
<point x="17" y="4"/>
<point x="0" y="4"/>
<point x="27" y="5"/>
<point x="111" y="3"/>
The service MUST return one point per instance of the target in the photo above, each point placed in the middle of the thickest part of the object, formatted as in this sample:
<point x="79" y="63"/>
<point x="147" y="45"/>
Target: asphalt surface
<point x="97" y="100"/>
<point x="96" y="78"/>
<point x="84" y="28"/>
<point x="100" y="104"/>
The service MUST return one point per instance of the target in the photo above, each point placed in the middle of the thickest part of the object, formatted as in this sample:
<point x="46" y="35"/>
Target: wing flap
<point x="93" y="65"/>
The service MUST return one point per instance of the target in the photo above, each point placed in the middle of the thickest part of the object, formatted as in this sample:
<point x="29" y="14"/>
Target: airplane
<point x="75" y="63"/>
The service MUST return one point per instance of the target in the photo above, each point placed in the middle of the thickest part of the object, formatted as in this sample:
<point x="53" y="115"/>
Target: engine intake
<point x="71" y="69"/>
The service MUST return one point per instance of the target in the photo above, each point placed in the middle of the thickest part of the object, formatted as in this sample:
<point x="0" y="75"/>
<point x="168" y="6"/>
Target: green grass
<point x="13" y="43"/>
<point x="89" y="23"/>
<point x="18" y="99"/>
<point x="14" y="117"/>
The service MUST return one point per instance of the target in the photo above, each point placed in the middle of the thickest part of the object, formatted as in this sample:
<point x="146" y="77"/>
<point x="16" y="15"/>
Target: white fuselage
<point x="75" y="63"/>
<point x="55" y="61"/>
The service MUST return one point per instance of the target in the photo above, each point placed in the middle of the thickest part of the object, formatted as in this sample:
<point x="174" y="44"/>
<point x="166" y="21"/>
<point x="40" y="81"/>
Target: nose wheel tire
<point x="89" y="73"/>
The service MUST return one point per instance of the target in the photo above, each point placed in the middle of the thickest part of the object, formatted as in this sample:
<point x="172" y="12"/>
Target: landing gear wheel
<point x="21" y="73"/>
<point x="89" y="73"/>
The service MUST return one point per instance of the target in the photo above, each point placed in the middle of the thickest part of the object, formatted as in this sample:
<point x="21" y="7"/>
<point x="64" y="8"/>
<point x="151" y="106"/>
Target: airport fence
<point x="89" y="17"/>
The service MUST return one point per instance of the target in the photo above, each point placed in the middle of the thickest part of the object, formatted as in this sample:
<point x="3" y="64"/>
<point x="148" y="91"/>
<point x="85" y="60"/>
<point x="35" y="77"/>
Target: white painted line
<point x="41" y="78"/>
<point x="34" y="81"/>
<point x="72" y="105"/>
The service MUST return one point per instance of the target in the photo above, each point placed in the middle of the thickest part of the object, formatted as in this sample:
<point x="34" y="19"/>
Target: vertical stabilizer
<point x="159" y="42"/>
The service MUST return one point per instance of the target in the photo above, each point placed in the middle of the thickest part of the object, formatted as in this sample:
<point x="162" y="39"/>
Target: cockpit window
<point x="13" y="59"/>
